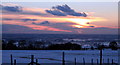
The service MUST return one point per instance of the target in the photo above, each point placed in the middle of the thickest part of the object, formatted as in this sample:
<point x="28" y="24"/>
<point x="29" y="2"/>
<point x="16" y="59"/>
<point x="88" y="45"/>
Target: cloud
<point x="44" y="22"/>
<point x="34" y="27"/>
<point x="8" y="28"/>
<point x="65" y="10"/>
<point x="92" y="26"/>
<point x="25" y="20"/>
<point x="20" y="10"/>
<point x="55" y="12"/>
<point x="12" y="8"/>
<point x="6" y="19"/>
<point x="14" y="28"/>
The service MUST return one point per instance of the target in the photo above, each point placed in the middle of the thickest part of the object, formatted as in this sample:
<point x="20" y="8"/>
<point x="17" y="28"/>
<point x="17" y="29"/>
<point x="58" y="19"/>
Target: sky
<point x="60" y="17"/>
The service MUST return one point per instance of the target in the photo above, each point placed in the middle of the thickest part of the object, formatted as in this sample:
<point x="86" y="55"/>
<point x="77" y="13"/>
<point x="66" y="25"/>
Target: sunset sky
<point x="60" y="17"/>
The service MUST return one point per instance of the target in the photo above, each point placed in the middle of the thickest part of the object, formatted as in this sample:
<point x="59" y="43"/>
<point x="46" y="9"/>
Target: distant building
<point x="86" y="46"/>
<point x="106" y="44"/>
<point x="16" y="44"/>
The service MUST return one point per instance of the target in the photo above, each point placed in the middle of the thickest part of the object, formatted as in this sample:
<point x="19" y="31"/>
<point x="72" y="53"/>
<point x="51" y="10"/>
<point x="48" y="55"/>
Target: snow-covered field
<point x="55" y="56"/>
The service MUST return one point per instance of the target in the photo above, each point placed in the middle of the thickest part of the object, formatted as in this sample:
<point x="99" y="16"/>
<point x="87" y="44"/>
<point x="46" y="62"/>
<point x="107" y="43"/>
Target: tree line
<point x="38" y="45"/>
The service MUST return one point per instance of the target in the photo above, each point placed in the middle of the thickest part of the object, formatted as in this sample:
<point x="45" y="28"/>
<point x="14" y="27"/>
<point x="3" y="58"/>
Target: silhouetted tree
<point x="113" y="45"/>
<point x="66" y="46"/>
<point x="10" y="45"/>
<point x="22" y="43"/>
<point x="38" y="44"/>
<point x="4" y="44"/>
<point x="92" y="48"/>
<point x="101" y="47"/>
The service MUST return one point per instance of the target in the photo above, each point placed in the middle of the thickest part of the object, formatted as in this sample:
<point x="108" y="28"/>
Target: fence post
<point x="97" y="62"/>
<point x="36" y="60"/>
<point x="103" y="61"/>
<point x="112" y="61"/>
<point x="32" y="59"/>
<point x="108" y="61"/>
<point x="15" y="62"/>
<point x="11" y="59"/>
<point x="101" y="55"/>
<point x="83" y="61"/>
<point x="91" y="61"/>
<point x="63" y="58"/>
<point x="75" y="61"/>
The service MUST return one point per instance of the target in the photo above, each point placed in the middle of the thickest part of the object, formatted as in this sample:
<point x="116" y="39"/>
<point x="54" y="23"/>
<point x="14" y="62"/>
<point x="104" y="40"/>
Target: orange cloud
<point x="36" y="27"/>
<point x="32" y="26"/>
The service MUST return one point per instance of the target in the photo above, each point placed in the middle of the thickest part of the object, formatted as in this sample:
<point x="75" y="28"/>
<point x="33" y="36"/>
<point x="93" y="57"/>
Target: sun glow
<point x="78" y="26"/>
<point x="80" y="21"/>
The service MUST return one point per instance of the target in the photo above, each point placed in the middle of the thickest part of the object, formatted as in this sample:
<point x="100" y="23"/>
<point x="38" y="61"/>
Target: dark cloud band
<point x="24" y="20"/>
<point x="12" y="8"/>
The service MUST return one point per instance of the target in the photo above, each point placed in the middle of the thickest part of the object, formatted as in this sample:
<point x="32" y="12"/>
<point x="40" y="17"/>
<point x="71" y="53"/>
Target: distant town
<point x="58" y="44"/>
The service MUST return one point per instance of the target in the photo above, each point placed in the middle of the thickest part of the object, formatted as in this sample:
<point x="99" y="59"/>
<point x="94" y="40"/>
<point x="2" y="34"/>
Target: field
<point x="55" y="56"/>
